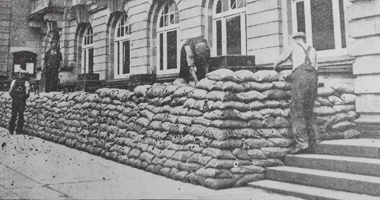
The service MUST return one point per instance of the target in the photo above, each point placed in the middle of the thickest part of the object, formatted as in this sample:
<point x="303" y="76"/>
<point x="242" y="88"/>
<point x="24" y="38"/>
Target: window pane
<point x="118" y="58"/>
<point x="90" y="60"/>
<point x="84" y="60"/>
<point x="300" y="17"/>
<point x="126" y="58"/>
<point x="161" y="47"/>
<point x="219" y="37"/>
<point x="218" y="7"/>
<point x="233" y="4"/>
<point x="233" y="35"/>
<point x="172" y="49"/>
<point x="322" y="21"/>
<point x="161" y="21"/>
<point x="342" y="24"/>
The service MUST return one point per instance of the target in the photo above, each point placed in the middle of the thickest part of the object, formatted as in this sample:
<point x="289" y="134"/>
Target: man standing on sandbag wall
<point x="53" y="58"/>
<point x="19" y="91"/>
<point x="304" y="91"/>
<point x="195" y="55"/>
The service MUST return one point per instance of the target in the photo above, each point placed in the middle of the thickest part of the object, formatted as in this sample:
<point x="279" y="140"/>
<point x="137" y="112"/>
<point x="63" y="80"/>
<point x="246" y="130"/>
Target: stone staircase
<point x="340" y="169"/>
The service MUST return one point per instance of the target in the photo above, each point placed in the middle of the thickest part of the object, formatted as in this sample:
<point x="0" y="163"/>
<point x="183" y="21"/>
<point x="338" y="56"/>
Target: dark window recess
<point x="118" y="57"/>
<point x="85" y="60"/>
<point x="233" y="35"/>
<point x="300" y="16"/>
<point x="126" y="59"/>
<point x="172" y="49"/>
<point x="161" y="21"/>
<point x="342" y="24"/>
<point x="322" y="21"/>
<point x="233" y="4"/>
<point x="90" y="60"/>
<point x="161" y="51"/>
<point x="219" y="37"/>
<point x="218" y="7"/>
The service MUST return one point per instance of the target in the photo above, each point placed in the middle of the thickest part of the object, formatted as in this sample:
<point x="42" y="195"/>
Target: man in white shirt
<point x="304" y="91"/>
<point x="19" y="91"/>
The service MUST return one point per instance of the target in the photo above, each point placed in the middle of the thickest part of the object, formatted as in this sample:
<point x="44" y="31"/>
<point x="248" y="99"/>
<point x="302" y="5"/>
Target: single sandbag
<point x="267" y="76"/>
<point x="274" y="152"/>
<point x="248" y="178"/>
<point x="198" y="94"/>
<point x="206" y="84"/>
<point x="342" y="88"/>
<point x="229" y="123"/>
<point x="141" y="90"/>
<point x="335" y="100"/>
<point x="348" y="98"/>
<point x="324" y="110"/>
<point x="227" y="144"/>
<point x="276" y="94"/>
<point x="344" y="108"/>
<point x="218" y="153"/>
<point x="169" y="90"/>
<point x="250" y="96"/>
<point x="214" y="173"/>
<point x="286" y="75"/>
<point x="257" y="143"/>
<point x="248" y="86"/>
<point x="183" y="91"/>
<point x="326" y="91"/>
<point x="223" y="75"/>
<point x="221" y="96"/>
<point x="245" y="133"/>
<point x="199" y="159"/>
<point x="232" y="86"/>
<point x="245" y="75"/>
<point x="155" y="91"/>
<point x="342" y="126"/>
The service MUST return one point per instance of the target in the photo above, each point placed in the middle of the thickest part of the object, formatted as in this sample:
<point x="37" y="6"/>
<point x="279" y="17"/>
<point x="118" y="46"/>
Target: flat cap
<point x="299" y="35"/>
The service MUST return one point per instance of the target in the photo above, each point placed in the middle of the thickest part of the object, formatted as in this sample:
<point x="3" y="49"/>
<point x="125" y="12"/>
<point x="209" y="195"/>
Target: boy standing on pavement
<point x="304" y="91"/>
<point x="19" y="91"/>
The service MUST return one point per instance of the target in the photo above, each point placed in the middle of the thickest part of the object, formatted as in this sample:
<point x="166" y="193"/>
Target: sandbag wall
<point x="220" y="134"/>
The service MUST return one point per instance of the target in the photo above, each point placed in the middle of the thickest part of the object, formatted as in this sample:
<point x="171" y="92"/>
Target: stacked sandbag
<point x="5" y="109"/>
<point x="222" y="133"/>
<point x="335" y="110"/>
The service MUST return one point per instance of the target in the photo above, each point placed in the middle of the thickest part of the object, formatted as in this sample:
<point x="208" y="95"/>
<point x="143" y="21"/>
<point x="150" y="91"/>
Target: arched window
<point x="122" y="48"/>
<point x="167" y="32"/>
<point x="88" y="51"/>
<point x="229" y="27"/>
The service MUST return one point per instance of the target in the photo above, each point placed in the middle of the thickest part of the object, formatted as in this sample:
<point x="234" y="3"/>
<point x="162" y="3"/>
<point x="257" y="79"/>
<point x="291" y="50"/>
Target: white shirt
<point x="27" y="86"/>
<point x="297" y="55"/>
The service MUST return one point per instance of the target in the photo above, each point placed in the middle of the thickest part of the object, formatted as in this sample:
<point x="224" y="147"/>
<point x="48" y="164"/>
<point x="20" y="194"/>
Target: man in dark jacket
<point x="195" y="55"/>
<point x="53" y="58"/>
<point x="19" y="91"/>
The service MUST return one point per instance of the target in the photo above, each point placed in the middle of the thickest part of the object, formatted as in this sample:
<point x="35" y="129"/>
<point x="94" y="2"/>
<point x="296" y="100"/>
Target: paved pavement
<point x="31" y="168"/>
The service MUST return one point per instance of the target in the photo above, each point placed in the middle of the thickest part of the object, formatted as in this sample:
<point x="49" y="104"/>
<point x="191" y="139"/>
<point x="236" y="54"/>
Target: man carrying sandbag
<point x="195" y="55"/>
<point x="304" y="91"/>
<point x="19" y="91"/>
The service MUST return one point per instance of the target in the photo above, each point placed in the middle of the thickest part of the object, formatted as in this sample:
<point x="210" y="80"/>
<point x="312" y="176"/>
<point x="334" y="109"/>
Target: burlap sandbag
<point x="250" y="96"/>
<point x="218" y="153"/>
<point x="269" y="133"/>
<point x="190" y="167"/>
<point x="248" y="169"/>
<point x="206" y="84"/>
<point x="185" y="120"/>
<point x="232" y="86"/>
<point x="182" y="156"/>
<point x="141" y="90"/>
<point x="247" y="178"/>
<point x="194" y="113"/>
<point x="282" y="85"/>
<point x="198" y="94"/>
<point x="155" y="91"/>
<point x="267" y="76"/>
<point x="250" y="115"/>
<point x="335" y="100"/>
<point x="201" y="120"/>
<point x="222" y="114"/>
<point x="183" y="91"/>
<point x="348" y="98"/>
<point x="344" y="108"/>
<point x="275" y="152"/>
<point x="221" y="96"/>
<point x="199" y="159"/>
<point x="256" y="105"/>
<point x="326" y="91"/>
<point x="324" y="110"/>
<point x="344" y="88"/>
<point x="227" y="144"/>
<point x="229" y="123"/>
<point x="245" y="133"/>
<point x="214" y="173"/>
<point x="342" y="126"/>
<point x="282" y="142"/>
<point x="226" y="164"/>
<point x="256" y="143"/>
<point x="245" y="75"/>
<point x="169" y="90"/>
<point x="351" y="133"/>
<point x="276" y="94"/>
<point x="196" y="129"/>
<point x="221" y="183"/>
<point x="193" y="147"/>
<point x="216" y="133"/>
<point x="251" y="85"/>
<point x="229" y="105"/>
<point x="223" y="75"/>
<point x="181" y="176"/>
<point x="276" y="104"/>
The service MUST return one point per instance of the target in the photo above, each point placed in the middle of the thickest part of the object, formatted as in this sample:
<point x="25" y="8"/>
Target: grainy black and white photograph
<point x="190" y="99"/>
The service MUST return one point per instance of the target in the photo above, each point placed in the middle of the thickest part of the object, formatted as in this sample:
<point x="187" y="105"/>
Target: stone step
<point x="326" y="179"/>
<point x="308" y="192"/>
<point x="363" y="147"/>
<point x="354" y="165"/>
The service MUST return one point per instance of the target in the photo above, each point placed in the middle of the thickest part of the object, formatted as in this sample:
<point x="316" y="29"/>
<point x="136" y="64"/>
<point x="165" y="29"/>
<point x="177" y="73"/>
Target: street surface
<point x="31" y="168"/>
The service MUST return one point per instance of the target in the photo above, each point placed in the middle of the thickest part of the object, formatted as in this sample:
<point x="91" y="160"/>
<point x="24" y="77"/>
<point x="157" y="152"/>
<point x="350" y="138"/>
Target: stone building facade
<point x="115" y="39"/>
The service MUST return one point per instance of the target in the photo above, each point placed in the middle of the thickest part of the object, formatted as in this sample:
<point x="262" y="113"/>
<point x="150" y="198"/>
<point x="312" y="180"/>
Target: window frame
<point x="119" y="50"/>
<point x="86" y="48"/>
<point x="338" y="51"/>
<point x="165" y="30"/>
<point x="223" y="16"/>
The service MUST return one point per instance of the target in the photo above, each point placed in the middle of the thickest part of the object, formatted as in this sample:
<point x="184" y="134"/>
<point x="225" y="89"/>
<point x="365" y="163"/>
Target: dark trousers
<point x="17" y="113"/>
<point x="303" y="94"/>
<point x="51" y="80"/>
